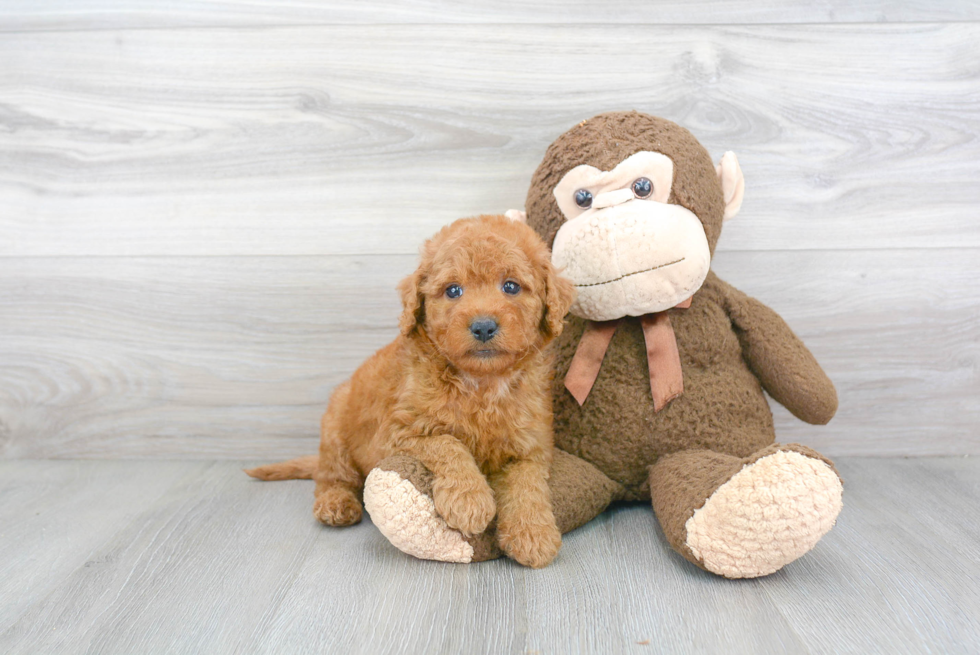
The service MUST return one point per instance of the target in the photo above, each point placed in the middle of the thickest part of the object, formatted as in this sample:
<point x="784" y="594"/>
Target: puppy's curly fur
<point x="476" y="413"/>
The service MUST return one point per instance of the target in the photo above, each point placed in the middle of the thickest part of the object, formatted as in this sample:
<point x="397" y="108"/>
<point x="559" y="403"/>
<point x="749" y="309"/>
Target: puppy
<point x="465" y="389"/>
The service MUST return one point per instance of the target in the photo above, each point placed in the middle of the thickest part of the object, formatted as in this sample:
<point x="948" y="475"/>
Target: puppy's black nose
<point x="484" y="329"/>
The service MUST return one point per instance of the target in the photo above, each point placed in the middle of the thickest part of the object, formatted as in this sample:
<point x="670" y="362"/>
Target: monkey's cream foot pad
<point x="770" y="513"/>
<point x="407" y="518"/>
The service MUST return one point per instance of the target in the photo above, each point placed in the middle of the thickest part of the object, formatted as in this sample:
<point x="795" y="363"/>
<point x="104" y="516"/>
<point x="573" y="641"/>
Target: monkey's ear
<point x="516" y="215"/>
<point x="413" y="302"/>
<point x="732" y="183"/>
<point x="559" y="293"/>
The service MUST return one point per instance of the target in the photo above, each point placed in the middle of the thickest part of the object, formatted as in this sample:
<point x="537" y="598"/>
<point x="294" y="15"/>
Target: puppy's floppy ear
<point x="559" y="292"/>
<point x="413" y="301"/>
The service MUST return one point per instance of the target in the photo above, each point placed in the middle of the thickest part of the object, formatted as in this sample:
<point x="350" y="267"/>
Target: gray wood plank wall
<point x="102" y="14"/>
<point x="204" y="206"/>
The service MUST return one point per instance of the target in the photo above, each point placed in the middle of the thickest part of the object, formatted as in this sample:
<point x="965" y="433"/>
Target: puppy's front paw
<point x="467" y="506"/>
<point x="530" y="544"/>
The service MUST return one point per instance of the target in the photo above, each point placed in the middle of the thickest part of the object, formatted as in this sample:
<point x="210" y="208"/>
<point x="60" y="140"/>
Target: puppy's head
<point x="485" y="294"/>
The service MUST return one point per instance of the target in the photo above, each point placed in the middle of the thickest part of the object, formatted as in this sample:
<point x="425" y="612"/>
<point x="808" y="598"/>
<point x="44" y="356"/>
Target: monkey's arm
<point x="787" y="370"/>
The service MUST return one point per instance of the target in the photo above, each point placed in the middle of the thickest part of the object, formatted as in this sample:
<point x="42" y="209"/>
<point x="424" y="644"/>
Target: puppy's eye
<point x="642" y="187"/>
<point x="454" y="291"/>
<point x="511" y="287"/>
<point x="583" y="198"/>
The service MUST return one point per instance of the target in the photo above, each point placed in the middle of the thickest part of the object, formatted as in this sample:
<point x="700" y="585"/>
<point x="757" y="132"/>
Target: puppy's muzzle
<point x="484" y="329"/>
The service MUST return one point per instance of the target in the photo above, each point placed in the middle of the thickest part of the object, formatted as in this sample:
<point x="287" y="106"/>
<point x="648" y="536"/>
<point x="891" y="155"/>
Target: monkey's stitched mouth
<point x="621" y="277"/>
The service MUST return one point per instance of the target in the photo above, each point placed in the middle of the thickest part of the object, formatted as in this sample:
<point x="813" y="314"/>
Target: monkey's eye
<point x="511" y="287"/>
<point x="642" y="187"/>
<point x="583" y="198"/>
<point x="454" y="291"/>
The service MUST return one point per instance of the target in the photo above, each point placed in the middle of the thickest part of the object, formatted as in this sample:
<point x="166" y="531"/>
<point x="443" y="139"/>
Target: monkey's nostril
<point x="483" y="329"/>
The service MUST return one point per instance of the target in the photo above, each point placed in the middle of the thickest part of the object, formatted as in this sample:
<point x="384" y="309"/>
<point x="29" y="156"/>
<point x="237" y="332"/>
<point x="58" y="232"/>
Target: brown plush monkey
<point x="661" y="368"/>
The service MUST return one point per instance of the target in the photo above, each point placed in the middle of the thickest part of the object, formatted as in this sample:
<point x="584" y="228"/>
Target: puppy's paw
<point x="337" y="507"/>
<point x="466" y="505"/>
<point x="530" y="544"/>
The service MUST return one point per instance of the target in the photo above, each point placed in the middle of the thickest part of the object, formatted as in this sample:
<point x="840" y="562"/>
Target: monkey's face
<point x="627" y="250"/>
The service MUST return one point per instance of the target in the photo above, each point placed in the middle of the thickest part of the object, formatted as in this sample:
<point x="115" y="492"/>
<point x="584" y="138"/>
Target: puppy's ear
<point x="559" y="292"/>
<point x="413" y="301"/>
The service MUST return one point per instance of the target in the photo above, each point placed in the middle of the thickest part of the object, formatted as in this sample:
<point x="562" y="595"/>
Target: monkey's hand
<point x="787" y="369"/>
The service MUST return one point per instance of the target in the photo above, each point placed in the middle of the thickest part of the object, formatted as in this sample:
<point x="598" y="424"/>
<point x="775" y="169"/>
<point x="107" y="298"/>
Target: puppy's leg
<point x="526" y="528"/>
<point x="398" y="494"/>
<point x="338" y="482"/>
<point x="460" y="492"/>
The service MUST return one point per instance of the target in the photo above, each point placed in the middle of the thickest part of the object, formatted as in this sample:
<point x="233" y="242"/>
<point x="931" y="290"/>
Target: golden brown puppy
<point x="465" y="389"/>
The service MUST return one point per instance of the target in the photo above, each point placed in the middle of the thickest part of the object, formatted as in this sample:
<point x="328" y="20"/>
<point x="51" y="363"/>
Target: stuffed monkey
<point x="658" y="391"/>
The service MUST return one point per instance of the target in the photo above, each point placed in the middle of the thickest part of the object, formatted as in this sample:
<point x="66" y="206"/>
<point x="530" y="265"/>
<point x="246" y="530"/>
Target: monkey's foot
<point x="398" y="496"/>
<point x="769" y="513"/>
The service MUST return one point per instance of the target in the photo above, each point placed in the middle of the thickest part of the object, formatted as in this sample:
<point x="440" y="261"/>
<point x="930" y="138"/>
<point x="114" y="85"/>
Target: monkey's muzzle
<point x="632" y="258"/>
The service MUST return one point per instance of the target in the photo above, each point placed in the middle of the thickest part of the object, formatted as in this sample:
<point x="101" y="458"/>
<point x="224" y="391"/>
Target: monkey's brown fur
<point x="732" y="348"/>
<point x="481" y="424"/>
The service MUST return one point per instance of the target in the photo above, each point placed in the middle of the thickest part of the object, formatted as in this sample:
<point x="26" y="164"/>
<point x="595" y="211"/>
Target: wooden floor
<point x="194" y="557"/>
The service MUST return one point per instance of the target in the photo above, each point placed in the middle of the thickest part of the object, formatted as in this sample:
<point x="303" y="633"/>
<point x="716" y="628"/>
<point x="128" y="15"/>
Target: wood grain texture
<point x="199" y="565"/>
<point x="209" y="351"/>
<point x="221" y="563"/>
<point x="897" y="331"/>
<point x="364" y="139"/>
<point x="235" y="357"/>
<point x="16" y="15"/>
<point x="55" y="517"/>
<point x="912" y="548"/>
